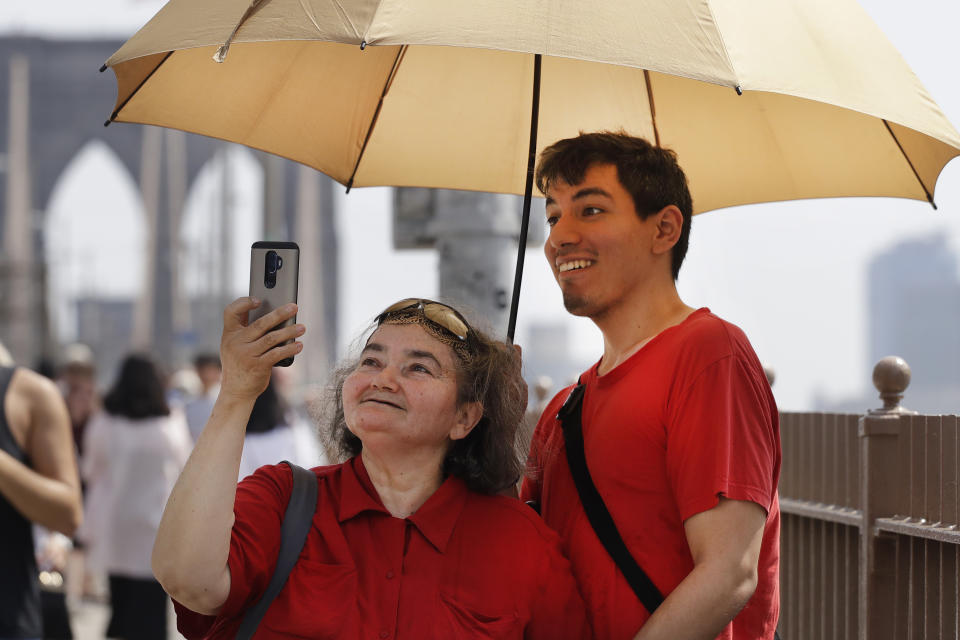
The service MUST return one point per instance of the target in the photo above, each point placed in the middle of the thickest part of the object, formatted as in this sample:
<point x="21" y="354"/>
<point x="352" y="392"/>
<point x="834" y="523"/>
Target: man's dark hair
<point x="651" y="175"/>
<point x="138" y="391"/>
<point x="488" y="372"/>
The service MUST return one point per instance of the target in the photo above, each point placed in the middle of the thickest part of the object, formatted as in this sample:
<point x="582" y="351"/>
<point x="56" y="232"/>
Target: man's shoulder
<point x="709" y="336"/>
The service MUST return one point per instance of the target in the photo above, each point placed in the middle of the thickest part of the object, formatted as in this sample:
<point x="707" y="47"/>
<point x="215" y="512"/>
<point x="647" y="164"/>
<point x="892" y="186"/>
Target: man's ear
<point x="468" y="415"/>
<point x="669" y="224"/>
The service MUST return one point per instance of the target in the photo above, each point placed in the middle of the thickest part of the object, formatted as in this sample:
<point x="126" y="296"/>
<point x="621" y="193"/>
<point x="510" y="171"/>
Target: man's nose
<point x="564" y="232"/>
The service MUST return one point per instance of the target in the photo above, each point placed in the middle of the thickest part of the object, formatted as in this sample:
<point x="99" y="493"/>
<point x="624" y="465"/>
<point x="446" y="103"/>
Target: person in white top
<point x="275" y="433"/>
<point x="135" y="450"/>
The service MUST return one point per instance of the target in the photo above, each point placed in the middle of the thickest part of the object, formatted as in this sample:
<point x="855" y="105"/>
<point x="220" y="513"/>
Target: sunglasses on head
<point x="436" y="312"/>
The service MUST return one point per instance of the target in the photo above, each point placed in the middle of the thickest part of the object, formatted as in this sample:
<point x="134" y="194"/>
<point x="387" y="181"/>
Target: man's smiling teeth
<point x="574" y="264"/>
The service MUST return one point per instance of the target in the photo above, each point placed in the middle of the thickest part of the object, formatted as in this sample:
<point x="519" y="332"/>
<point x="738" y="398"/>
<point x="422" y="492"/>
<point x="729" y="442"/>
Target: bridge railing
<point x="870" y="538"/>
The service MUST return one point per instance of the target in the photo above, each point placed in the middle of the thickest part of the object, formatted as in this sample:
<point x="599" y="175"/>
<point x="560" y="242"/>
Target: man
<point x="38" y="484"/>
<point x="680" y="428"/>
<point x="77" y="381"/>
<point x="197" y="410"/>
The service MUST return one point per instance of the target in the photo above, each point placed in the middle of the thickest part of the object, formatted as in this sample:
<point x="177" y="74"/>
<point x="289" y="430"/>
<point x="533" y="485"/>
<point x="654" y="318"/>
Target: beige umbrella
<point x="774" y="100"/>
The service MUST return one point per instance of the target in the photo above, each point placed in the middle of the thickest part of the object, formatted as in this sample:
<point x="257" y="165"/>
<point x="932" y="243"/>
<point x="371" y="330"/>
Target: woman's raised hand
<point x="249" y="352"/>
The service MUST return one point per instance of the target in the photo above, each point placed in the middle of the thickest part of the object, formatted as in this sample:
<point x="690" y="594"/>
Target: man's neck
<point x="630" y="325"/>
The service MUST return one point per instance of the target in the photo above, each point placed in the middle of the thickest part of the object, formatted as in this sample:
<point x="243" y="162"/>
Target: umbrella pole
<point x="527" y="197"/>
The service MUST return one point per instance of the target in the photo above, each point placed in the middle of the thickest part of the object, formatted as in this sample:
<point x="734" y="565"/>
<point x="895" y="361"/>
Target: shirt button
<point x="389" y="577"/>
<point x="384" y="634"/>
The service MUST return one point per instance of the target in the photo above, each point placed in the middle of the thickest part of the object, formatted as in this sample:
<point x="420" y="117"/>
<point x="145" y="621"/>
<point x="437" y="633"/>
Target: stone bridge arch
<point x="53" y="101"/>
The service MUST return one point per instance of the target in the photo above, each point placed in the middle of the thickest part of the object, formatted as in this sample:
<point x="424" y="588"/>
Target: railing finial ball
<point x="891" y="377"/>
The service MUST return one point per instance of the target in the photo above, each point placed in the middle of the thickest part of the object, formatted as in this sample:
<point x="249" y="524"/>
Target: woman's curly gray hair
<point x="488" y="460"/>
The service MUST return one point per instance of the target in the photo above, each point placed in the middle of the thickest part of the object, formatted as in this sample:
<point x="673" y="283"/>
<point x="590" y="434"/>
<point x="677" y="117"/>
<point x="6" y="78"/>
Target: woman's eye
<point x="591" y="211"/>
<point x="552" y="220"/>
<point x="369" y="362"/>
<point x="420" y="368"/>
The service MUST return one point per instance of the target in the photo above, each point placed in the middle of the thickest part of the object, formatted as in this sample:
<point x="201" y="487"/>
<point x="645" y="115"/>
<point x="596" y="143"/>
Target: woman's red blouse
<point x="465" y="565"/>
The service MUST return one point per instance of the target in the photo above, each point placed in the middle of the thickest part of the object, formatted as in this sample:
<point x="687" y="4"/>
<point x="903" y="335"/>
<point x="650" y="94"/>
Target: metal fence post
<point x="881" y="482"/>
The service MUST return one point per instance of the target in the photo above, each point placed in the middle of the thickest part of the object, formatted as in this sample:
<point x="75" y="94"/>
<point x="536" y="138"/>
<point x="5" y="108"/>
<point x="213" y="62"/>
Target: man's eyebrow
<point x="582" y="193"/>
<point x="419" y="353"/>
<point x="591" y="191"/>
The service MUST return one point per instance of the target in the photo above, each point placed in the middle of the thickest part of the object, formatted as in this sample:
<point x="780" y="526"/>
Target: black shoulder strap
<point x="597" y="513"/>
<point x="293" y="534"/>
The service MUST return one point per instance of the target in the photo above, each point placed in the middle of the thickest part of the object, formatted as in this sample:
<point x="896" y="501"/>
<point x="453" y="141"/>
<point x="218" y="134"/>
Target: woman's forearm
<point x="193" y="541"/>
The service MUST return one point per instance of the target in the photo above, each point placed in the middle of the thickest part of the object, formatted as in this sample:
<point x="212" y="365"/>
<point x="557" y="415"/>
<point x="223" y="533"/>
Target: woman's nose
<point x="385" y="378"/>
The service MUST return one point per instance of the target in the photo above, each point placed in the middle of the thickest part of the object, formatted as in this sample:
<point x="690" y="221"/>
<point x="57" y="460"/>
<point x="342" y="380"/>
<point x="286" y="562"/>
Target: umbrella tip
<point x="103" y="67"/>
<point x="363" y="45"/>
<point x="739" y="90"/>
<point x="107" y="123"/>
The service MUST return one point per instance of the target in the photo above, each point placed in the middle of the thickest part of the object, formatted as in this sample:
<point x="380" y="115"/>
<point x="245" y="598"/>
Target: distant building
<point x="106" y="326"/>
<point x="914" y="303"/>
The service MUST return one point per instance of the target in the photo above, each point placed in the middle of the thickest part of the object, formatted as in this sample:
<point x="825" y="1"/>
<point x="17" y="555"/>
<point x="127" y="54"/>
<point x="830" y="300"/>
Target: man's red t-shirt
<point x="688" y="418"/>
<point x="465" y="565"/>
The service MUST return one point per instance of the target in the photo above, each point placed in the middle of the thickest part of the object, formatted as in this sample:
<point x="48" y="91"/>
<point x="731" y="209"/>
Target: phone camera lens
<point x="273" y="262"/>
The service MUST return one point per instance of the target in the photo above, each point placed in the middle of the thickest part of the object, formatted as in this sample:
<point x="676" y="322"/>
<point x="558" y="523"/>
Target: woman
<point x="135" y="449"/>
<point x="409" y="539"/>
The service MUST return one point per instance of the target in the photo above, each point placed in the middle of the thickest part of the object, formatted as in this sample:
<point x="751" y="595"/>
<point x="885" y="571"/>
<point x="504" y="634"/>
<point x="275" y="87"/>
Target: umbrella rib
<point x="376" y="114"/>
<point x="117" y="111"/>
<point x="221" y="53"/>
<point x="653" y="108"/>
<point x="912" y="168"/>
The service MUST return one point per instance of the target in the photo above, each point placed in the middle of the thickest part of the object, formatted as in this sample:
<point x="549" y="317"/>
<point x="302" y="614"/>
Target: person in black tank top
<point x="32" y="412"/>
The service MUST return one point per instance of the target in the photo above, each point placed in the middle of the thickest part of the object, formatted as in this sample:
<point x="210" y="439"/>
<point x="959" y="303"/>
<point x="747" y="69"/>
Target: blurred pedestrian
<point x="135" y="450"/>
<point x="76" y="378"/>
<point x="53" y="551"/>
<point x="275" y="433"/>
<point x="38" y="484"/>
<point x="198" y="408"/>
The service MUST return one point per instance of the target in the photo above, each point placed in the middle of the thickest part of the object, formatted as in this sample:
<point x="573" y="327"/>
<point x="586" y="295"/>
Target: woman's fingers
<point x="249" y="351"/>
<point x="278" y="316"/>
<point x="273" y="338"/>
<point x="275" y="355"/>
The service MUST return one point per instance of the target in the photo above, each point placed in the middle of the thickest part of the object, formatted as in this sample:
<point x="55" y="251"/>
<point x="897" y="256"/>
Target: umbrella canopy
<point x="778" y="100"/>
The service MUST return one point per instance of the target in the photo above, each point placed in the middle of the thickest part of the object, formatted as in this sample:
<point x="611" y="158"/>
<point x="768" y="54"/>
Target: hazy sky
<point x="792" y="275"/>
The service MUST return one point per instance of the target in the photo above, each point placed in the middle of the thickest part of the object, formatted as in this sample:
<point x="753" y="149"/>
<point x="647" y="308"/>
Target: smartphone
<point x="274" y="269"/>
